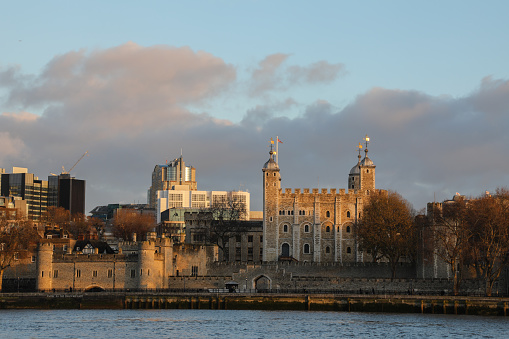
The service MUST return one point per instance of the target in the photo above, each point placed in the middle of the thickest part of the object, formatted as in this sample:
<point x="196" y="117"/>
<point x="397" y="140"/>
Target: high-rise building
<point x="59" y="191"/>
<point x="165" y="177"/>
<point x="28" y="187"/>
<point x="71" y="194"/>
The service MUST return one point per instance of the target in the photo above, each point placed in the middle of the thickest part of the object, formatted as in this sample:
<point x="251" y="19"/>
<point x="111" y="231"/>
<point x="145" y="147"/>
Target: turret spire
<point x="366" y="140"/>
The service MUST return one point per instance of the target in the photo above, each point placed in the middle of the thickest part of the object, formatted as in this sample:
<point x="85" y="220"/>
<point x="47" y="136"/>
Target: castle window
<point x="110" y="273"/>
<point x="347" y="229"/>
<point x="327" y="229"/>
<point x="261" y="239"/>
<point x="291" y="212"/>
<point x="133" y="274"/>
<point x="249" y="238"/>
<point x="267" y="174"/>
<point x="78" y="273"/>
<point x="55" y="274"/>
<point x="306" y="248"/>
<point x="327" y="214"/>
<point x="285" y="228"/>
<point x="348" y="250"/>
<point x="148" y="272"/>
<point x="327" y="249"/>
<point x="270" y="219"/>
<point x="274" y="173"/>
<point x="33" y="258"/>
<point x="194" y="271"/>
<point x="348" y="214"/>
<point x="306" y="228"/>
<point x="352" y="186"/>
<point x="338" y="228"/>
<point x="367" y="171"/>
<point x="94" y="274"/>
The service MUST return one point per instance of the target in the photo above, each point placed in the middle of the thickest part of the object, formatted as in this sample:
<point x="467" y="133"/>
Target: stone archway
<point x="94" y="288"/>
<point x="263" y="283"/>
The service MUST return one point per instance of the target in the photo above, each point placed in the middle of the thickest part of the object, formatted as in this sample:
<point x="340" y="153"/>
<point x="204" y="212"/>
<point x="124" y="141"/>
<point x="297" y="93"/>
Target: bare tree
<point x="128" y="222"/>
<point x="487" y="218"/>
<point x="16" y="233"/>
<point x="226" y="223"/>
<point x="451" y="236"/>
<point x="387" y="228"/>
<point x="56" y="217"/>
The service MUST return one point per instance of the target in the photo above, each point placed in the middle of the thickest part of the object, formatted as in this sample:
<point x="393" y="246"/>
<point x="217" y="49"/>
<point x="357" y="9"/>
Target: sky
<point x="135" y="84"/>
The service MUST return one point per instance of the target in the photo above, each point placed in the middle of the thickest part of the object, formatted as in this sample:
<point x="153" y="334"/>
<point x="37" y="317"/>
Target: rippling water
<point x="245" y="324"/>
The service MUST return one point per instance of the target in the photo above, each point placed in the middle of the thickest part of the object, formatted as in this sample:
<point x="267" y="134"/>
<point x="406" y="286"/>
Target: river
<point x="242" y="324"/>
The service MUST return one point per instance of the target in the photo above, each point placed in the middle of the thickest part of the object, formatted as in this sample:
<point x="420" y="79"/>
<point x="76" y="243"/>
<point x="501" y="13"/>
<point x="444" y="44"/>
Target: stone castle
<point x="315" y="226"/>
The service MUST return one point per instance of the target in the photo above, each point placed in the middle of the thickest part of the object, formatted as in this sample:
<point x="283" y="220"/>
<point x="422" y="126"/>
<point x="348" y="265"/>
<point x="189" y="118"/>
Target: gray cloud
<point x="126" y="106"/>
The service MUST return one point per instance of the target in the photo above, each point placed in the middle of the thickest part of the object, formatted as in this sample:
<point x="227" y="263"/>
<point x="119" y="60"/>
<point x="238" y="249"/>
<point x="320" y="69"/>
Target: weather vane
<point x="366" y="139"/>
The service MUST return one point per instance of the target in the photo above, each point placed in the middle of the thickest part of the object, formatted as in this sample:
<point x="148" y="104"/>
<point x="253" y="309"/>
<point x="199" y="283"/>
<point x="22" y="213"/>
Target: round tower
<point x="44" y="266"/>
<point x="271" y="187"/>
<point x="146" y="266"/>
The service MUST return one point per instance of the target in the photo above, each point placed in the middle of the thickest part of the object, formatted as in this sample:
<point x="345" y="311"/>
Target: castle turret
<point x="44" y="266"/>
<point x="271" y="186"/>
<point x="362" y="175"/>
<point x="146" y="265"/>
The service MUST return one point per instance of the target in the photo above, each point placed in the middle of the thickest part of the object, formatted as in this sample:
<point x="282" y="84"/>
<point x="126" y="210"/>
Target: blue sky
<point x="270" y="68"/>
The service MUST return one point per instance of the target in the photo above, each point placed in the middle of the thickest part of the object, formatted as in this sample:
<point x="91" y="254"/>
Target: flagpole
<point x="277" y="149"/>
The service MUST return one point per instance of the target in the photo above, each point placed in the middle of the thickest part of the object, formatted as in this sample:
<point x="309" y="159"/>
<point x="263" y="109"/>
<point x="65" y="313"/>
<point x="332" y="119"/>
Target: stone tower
<point x="271" y="187"/>
<point x="44" y="266"/>
<point x="362" y="175"/>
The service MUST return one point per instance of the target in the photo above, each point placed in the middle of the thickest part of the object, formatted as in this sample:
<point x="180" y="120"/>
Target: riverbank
<point x="492" y="306"/>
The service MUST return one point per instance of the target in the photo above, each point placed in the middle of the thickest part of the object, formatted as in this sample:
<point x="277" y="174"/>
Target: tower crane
<point x="63" y="169"/>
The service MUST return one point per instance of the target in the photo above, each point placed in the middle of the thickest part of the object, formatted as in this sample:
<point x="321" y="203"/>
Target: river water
<point x="242" y="324"/>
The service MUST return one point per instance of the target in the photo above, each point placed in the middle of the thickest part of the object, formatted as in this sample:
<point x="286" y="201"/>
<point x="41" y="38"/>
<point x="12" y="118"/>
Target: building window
<point x="285" y="228"/>
<point x="78" y="273"/>
<point x="348" y="214"/>
<point x="55" y="274"/>
<point x="33" y="258"/>
<point x="249" y="238"/>
<point x="347" y="229"/>
<point x="348" y="250"/>
<point x="16" y="256"/>
<point x="270" y="219"/>
<point x="194" y="271"/>
<point x="133" y="273"/>
<point x="94" y="274"/>
<point x="110" y="273"/>
<point x="327" y="229"/>
<point x="306" y="249"/>
<point x="238" y="238"/>
<point x="261" y="239"/>
<point x="306" y="228"/>
<point x="327" y="249"/>
<point x="327" y="214"/>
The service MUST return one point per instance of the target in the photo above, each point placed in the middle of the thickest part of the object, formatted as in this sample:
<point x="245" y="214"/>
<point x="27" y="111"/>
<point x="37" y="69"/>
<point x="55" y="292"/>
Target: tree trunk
<point x="1" y="278"/>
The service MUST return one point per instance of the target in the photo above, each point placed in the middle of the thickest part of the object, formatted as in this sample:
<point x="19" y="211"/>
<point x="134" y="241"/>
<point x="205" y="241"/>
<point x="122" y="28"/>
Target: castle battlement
<point x="306" y="192"/>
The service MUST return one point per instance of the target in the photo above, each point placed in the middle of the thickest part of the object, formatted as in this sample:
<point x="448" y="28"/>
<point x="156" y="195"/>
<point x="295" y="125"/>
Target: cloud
<point x="272" y="75"/>
<point x="128" y="106"/>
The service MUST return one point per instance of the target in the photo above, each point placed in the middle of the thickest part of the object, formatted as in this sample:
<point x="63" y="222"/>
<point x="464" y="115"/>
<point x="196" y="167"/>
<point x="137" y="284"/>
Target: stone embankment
<point x="492" y="306"/>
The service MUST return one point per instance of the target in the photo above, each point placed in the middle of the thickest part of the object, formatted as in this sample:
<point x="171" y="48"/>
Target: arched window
<point x="306" y="228"/>
<point x="348" y="214"/>
<point x="285" y="228"/>
<point x="347" y="229"/>
<point x="327" y="229"/>
<point x="348" y="250"/>
<point x="327" y="249"/>
<point x="306" y="248"/>
<point x="327" y="214"/>
<point x="338" y="228"/>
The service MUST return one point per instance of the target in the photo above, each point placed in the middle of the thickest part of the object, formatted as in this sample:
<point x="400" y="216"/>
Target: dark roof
<point x="103" y="247"/>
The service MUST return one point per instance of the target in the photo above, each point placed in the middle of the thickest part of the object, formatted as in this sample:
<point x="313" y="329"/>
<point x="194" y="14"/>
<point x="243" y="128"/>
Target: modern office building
<point x="164" y="177"/>
<point x="26" y="186"/>
<point x="59" y="191"/>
